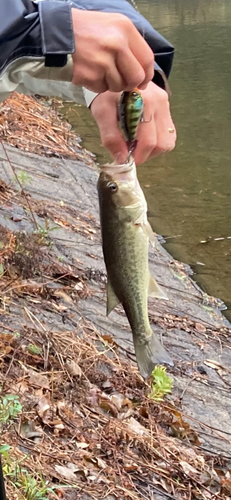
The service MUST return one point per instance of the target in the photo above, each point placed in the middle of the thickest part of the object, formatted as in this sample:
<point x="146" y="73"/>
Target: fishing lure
<point x="131" y="109"/>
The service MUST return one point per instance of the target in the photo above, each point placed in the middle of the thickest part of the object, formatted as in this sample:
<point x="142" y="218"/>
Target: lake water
<point x="189" y="189"/>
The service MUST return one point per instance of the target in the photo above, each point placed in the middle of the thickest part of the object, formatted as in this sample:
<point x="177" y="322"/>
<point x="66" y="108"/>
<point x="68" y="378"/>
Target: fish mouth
<point x="123" y="174"/>
<point x="117" y="168"/>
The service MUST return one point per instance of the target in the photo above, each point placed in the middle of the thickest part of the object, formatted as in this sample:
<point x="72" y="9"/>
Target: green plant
<point x="4" y="450"/>
<point x="43" y="232"/>
<point x="161" y="383"/>
<point x="17" y="334"/>
<point x="23" y="178"/>
<point x="29" y="486"/>
<point x="33" y="349"/>
<point x="10" y="407"/>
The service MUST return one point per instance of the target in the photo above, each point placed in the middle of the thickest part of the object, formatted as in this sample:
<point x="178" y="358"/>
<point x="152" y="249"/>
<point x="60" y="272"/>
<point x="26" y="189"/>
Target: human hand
<point x="156" y="134"/>
<point x="110" y="52"/>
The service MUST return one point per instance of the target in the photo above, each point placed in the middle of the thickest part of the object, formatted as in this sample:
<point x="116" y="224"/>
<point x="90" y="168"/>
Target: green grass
<point x="26" y="486"/>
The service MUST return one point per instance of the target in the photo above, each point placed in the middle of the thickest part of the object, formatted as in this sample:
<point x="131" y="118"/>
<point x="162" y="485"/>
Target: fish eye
<point x="112" y="186"/>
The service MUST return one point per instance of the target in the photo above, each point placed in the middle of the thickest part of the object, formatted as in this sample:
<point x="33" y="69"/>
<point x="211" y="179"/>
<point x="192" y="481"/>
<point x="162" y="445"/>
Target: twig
<point x="21" y="187"/>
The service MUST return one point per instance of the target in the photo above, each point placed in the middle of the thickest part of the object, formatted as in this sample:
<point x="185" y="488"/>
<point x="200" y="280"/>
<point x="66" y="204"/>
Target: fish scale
<point x="125" y="237"/>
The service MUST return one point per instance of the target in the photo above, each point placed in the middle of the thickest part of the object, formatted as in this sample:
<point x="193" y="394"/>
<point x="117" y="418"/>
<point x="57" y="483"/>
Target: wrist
<point x="56" y="32"/>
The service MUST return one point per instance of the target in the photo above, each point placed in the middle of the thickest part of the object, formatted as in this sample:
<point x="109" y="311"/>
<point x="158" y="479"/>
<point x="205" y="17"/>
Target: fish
<point x="131" y="109"/>
<point x="126" y="233"/>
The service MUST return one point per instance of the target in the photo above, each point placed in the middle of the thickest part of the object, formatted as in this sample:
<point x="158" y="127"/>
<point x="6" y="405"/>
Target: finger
<point x="143" y="53"/>
<point x="130" y="69"/>
<point x="147" y="140"/>
<point x="110" y="134"/>
<point x="166" y="141"/>
<point x="158" y="135"/>
<point x="114" y="80"/>
<point x="89" y="77"/>
<point x="165" y="129"/>
<point x="115" y="144"/>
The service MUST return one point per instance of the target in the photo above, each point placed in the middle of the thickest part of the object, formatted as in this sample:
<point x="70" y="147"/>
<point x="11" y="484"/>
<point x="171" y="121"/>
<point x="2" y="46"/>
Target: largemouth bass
<point x="125" y="237"/>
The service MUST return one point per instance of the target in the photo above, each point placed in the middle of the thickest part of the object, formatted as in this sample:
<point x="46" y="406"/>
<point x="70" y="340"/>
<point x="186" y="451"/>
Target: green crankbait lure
<point x="130" y="114"/>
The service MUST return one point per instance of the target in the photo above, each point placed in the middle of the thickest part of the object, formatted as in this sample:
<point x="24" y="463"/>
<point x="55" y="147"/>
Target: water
<point x="189" y="195"/>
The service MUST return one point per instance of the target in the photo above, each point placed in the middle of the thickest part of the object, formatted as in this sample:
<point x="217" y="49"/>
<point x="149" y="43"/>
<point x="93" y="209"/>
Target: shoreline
<point x="54" y="289"/>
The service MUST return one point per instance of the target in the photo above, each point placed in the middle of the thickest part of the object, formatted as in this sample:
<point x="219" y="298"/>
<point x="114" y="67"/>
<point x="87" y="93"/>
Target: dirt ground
<point x="88" y="425"/>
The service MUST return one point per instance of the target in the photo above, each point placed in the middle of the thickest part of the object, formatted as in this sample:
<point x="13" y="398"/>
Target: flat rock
<point x="190" y="324"/>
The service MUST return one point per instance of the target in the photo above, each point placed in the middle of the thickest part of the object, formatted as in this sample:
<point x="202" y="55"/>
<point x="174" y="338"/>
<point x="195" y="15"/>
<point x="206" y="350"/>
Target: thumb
<point x="104" y="110"/>
<point x="113" y="140"/>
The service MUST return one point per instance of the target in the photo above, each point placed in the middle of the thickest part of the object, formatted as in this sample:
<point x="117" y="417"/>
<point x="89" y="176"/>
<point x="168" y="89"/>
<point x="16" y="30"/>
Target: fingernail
<point x="142" y="87"/>
<point x="120" y="157"/>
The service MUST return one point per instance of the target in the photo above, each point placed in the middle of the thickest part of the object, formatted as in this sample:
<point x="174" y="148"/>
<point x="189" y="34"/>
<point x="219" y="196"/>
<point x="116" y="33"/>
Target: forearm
<point x="162" y="49"/>
<point x="40" y="31"/>
<point x="36" y="39"/>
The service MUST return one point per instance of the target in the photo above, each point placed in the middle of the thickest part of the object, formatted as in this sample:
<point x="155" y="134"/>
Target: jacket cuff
<point x="56" y="32"/>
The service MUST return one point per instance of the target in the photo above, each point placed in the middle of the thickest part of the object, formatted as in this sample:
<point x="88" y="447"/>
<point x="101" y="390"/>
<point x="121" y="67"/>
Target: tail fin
<point x="150" y="352"/>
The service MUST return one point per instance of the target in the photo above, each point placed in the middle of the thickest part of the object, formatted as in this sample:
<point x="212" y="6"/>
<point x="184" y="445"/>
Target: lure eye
<point x="112" y="186"/>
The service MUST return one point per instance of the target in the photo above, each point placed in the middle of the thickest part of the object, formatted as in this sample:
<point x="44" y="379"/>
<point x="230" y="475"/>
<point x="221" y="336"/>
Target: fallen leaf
<point x="200" y="328"/>
<point x="82" y="446"/>
<point x="73" y="368"/>
<point x="226" y="486"/>
<point x="133" y="425"/>
<point x="38" y="379"/>
<point x="217" y="366"/>
<point x="43" y="408"/>
<point x="66" y="472"/>
<point x="63" y="295"/>
<point x="131" y="467"/>
<point x="119" y="400"/>
<point x="107" y="405"/>
<point x="101" y="463"/>
<point x="188" y="469"/>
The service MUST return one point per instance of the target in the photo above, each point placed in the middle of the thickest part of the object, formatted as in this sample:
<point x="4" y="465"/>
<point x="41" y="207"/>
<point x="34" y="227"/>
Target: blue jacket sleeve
<point x="35" y="29"/>
<point x="41" y="29"/>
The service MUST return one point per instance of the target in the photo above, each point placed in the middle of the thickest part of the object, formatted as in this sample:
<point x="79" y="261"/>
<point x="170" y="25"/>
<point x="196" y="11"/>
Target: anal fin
<point x="112" y="299"/>
<point x="154" y="290"/>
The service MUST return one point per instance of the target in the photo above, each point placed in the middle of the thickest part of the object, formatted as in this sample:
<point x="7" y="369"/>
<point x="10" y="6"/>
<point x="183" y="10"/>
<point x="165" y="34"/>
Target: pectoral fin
<point x="140" y="218"/>
<point x="154" y="290"/>
<point x="151" y="235"/>
<point x="112" y="299"/>
<point x="144" y="224"/>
